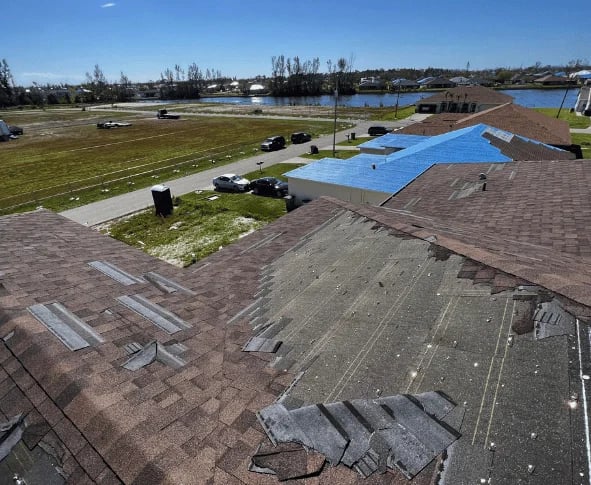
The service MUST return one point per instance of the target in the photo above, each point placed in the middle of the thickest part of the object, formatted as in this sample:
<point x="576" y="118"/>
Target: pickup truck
<point x="164" y="115"/>
<point x="112" y="124"/>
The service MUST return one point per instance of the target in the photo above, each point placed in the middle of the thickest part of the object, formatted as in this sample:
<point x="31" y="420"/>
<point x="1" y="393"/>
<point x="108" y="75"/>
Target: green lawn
<point x="342" y="154"/>
<point x="198" y="225"/>
<point x="573" y="120"/>
<point x="584" y="140"/>
<point x="63" y="160"/>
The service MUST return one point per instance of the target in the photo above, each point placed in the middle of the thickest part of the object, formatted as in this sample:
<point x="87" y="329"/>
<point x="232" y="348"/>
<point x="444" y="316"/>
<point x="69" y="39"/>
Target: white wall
<point x="309" y="190"/>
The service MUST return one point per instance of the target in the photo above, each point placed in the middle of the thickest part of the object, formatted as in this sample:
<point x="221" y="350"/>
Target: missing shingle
<point x="166" y="285"/>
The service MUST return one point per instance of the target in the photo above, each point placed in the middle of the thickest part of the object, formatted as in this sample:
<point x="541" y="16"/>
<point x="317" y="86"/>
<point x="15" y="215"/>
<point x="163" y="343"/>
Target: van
<point x="273" y="143"/>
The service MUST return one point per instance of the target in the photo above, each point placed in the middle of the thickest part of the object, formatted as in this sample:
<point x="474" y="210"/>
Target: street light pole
<point x="334" y="132"/>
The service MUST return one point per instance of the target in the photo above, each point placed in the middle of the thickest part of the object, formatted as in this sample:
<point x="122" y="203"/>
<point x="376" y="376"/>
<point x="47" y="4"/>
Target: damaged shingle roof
<point x="344" y="288"/>
<point x="510" y="117"/>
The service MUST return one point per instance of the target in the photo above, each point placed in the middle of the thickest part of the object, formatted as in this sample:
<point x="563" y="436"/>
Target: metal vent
<point x="261" y="344"/>
<point x="115" y="273"/>
<point x="159" y="316"/>
<point x="73" y="332"/>
<point x="166" y="285"/>
<point x="500" y="134"/>
<point x="151" y="352"/>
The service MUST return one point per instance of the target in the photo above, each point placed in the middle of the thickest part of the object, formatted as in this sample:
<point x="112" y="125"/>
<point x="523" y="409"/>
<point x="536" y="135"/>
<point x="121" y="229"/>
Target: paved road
<point x="121" y="205"/>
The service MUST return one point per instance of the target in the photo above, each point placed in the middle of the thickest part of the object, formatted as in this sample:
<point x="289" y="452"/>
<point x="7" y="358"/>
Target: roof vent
<point x="115" y="273"/>
<point x="73" y="332"/>
<point x="159" y="316"/>
<point x="149" y="353"/>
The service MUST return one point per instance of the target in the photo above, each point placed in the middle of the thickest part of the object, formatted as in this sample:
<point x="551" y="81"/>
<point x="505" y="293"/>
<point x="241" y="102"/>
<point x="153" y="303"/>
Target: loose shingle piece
<point x="399" y="431"/>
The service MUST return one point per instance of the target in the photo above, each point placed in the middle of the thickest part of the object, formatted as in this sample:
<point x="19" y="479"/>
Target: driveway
<point x="121" y="205"/>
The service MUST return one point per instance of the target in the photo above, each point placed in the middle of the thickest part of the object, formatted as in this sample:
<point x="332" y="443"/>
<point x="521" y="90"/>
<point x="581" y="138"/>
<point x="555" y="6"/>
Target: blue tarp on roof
<point x="392" y="140"/>
<point x="393" y="172"/>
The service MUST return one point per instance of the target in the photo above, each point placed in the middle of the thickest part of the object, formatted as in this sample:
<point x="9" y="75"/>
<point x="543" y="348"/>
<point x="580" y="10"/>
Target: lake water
<point x="530" y="98"/>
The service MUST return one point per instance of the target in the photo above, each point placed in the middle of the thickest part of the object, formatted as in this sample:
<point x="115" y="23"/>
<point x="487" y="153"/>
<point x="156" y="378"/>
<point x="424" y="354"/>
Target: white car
<point x="231" y="181"/>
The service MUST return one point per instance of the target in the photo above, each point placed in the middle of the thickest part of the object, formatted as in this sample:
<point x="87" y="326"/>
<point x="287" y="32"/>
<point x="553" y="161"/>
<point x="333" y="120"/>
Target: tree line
<point x="289" y="77"/>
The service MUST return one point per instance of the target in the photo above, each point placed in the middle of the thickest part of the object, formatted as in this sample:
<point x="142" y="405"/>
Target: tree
<point x="97" y="83"/>
<point x="6" y="85"/>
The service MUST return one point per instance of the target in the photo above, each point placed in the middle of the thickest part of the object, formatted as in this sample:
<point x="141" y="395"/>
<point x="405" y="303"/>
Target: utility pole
<point x="334" y="132"/>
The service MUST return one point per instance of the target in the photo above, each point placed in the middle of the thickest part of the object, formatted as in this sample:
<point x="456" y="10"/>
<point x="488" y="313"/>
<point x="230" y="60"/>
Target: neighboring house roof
<point x="436" y="81"/>
<point x="368" y="301"/>
<point x="550" y="78"/>
<point x="510" y="117"/>
<point x="537" y="209"/>
<point x="479" y="143"/>
<point x="404" y="83"/>
<point x="469" y="94"/>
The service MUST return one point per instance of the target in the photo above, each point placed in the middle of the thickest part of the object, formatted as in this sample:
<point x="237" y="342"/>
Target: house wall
<point x="307" y="190"/>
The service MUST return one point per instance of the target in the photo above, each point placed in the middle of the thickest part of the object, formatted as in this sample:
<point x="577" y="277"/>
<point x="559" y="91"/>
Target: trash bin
<point x="290" y="203"/>
<point x="313" y="149"/>
<point x="162" y="200"/>
<point x="352" y="135"/>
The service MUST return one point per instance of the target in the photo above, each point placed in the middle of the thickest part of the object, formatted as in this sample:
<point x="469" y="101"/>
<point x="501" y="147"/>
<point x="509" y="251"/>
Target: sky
<point x="60" y="40"/>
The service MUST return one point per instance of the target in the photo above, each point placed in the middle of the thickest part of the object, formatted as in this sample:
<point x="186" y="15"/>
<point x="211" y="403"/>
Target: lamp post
<point x="334" y="132"/>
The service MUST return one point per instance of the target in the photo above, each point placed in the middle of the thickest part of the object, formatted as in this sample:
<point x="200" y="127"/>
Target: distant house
<point x="552" y="80"/>
<point x="404" y="84"/>
<point x="437" y="83"/>
<point x="257" y="89"/>
<point x="371" y="83"/>
<point x="461" y="80"/>
<point x="462" y="99"/>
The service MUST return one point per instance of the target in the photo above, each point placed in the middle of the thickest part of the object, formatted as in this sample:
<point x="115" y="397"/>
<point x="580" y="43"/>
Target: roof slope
<point x="543" y="203"/>
<point x="509" y="117"/>
<point x="328" y="268"/>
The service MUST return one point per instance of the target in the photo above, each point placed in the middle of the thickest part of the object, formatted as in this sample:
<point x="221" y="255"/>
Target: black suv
<point x="269" y="186"/>
<point x="300" y="137"/>
<point x="377" y="130"/>
<point x="273" y="143"/>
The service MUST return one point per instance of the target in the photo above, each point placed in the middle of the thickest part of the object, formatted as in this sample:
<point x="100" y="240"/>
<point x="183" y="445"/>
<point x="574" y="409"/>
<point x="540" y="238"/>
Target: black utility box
<point x="162" y="200"/>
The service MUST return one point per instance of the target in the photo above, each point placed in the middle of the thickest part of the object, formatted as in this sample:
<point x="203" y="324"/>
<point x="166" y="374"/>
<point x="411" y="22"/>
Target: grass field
<point x="202" y="222"/>
<point x="63" y="160"/>
<point x="573" y="120"/>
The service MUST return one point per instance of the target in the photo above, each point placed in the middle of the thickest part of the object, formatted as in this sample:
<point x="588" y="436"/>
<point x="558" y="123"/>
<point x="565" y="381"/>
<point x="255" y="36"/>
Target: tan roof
<point x="510" y="117"/>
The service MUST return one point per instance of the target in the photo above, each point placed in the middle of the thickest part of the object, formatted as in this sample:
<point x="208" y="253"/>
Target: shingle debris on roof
<point x="397" y="431"/>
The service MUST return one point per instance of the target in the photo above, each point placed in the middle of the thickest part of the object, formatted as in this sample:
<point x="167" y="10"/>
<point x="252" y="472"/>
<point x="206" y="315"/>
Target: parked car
<point x="232" y="182"/>
<point x="269" y="186"/>
<point x="15" y="130"/>
<point x="111" y="124"/>
<point x="163" y="114"/>
<point x="273" y="143"/>
<point x="300" y="137"/>
<point x="377" y="130"/>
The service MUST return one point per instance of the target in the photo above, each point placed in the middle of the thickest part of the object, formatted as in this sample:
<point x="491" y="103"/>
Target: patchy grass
<point x="573" y="120"/>
<point x="64" y="161"/>
<point x="584" y="140"/>
<point x="342" y="154"/>
<point x="276" y="171"/>
<point x="357" y="141"/>
<point x="198" y="226"/>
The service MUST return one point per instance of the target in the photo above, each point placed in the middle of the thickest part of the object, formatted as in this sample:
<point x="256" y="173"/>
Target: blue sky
<point x="60" y="40"/>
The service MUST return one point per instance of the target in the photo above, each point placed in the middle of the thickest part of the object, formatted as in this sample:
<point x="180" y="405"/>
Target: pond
<point x="530" y="98"/>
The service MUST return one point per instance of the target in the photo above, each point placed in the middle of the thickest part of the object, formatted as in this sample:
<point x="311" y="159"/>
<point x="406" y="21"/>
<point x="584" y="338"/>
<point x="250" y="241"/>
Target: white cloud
<point x="107" y="5"/>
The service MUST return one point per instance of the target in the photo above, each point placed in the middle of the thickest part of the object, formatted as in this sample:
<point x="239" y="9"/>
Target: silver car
<point x="232" y="182"/>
